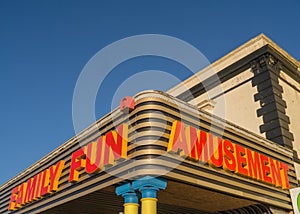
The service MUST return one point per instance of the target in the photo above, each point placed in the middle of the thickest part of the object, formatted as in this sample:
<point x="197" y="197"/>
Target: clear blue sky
<point x="45" y="44"/>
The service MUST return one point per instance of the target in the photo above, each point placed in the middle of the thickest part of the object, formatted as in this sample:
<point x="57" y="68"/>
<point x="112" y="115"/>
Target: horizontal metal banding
<point x="149" y="131"/>
<point x="183" y="173"/>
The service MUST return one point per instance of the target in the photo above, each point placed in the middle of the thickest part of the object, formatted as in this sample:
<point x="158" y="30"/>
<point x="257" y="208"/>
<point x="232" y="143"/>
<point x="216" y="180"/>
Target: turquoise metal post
<point x="131" y="202"/>
<point x="149" y="186"/>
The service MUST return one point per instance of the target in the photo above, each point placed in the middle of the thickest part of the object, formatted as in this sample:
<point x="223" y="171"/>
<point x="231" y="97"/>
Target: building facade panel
<point x="149" y="132"/>
<point x="225" y="140"/>
<point x="291" y="94"/>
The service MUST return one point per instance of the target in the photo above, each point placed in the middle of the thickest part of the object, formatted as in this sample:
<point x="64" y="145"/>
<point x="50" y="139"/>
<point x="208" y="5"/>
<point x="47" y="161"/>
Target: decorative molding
<point x="207" y="105"/>
<point x="266" y="70"/>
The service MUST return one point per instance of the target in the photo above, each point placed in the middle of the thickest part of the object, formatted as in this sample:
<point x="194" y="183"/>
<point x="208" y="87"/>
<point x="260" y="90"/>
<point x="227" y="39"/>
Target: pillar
<point x="131" y="202"/>
<point x="149" y="186"/>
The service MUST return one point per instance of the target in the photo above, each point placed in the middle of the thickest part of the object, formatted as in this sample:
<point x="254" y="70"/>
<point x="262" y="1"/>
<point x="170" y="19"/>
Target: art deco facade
<point x="223" y="143"/>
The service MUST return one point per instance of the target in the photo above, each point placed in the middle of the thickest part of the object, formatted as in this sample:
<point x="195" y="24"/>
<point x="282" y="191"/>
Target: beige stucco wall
<point x="237" y="104"/>
<point x="241" y="108"/>
<point x="291" y="95"/>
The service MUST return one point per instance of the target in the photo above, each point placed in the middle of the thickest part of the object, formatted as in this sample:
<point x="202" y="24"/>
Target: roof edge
<point x="238" y="53"/>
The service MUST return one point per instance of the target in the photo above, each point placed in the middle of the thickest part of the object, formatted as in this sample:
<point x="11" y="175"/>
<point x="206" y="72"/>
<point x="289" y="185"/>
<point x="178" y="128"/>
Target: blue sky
<point x="44" y="46"/>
